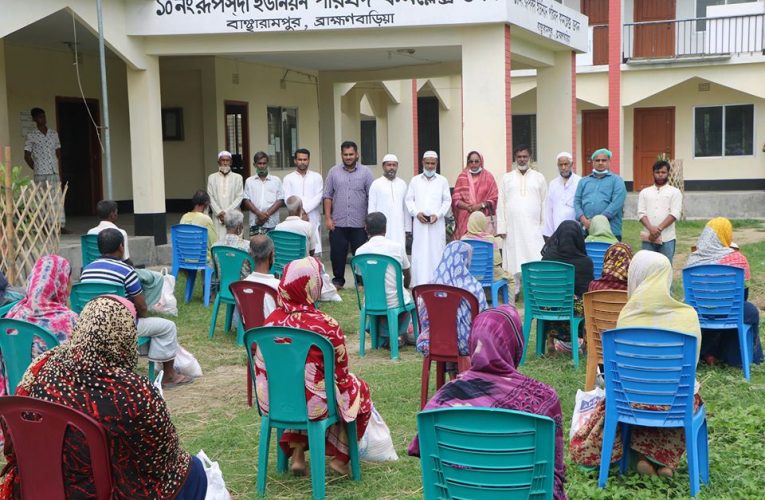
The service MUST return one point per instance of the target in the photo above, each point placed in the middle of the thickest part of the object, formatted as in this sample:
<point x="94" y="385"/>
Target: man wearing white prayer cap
<point x="386" y="195"/>
<point x="225" y="189"/>
<point x="559" y="205"/>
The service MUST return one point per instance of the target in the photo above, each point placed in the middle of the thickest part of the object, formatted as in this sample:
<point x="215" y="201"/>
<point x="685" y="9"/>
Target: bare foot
<point x="298" y="461"/>
<point x="175" y="379"/>
<point x="645" y="468"/>
<point x="665" y="472"/>
<point x="339" y="467"/>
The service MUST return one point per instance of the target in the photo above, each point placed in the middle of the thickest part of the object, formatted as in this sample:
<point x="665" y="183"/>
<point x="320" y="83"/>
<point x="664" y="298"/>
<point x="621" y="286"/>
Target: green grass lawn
<point x="212" y="414"/>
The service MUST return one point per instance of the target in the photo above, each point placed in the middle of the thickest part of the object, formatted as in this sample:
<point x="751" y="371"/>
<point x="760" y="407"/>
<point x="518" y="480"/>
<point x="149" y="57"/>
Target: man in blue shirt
<point x="601" y="193"/>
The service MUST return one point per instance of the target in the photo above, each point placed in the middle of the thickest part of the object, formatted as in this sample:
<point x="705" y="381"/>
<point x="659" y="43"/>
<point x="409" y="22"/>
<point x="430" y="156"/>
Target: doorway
<point x="428" y="132"/>
<point x="80" y="153"/>
<point x="654" y="135"/>
<point x="236" y="122"/>
<point x="656" y="39"/>
<point x="594" y="136"/>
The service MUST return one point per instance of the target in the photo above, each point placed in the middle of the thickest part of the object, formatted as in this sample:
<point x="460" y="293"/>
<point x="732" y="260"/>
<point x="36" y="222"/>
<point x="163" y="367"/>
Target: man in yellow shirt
<point x="198" y="217"/>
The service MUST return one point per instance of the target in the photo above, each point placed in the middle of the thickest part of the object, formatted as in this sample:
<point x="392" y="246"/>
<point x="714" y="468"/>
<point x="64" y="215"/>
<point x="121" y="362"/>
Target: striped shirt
<point x="110" y="270"/>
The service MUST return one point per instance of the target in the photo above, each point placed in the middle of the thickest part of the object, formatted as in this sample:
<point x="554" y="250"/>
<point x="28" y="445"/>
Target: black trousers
<point x="339" y="239"/>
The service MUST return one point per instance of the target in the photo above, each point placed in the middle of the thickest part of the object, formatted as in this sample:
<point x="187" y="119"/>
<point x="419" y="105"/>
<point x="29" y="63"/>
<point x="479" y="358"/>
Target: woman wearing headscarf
<point x="600" y="230"/>
<point x="299" y="289"/>
<point x="453" y="270"/>
<point x="474" y="191"/>
<point x="616" y="263"/>
<point x="496" y="346"/>
<point x="649" y="305"/>
<point x="714" y="247"/>
<point x="93" y="373"/>
<point x="477" y="230"/>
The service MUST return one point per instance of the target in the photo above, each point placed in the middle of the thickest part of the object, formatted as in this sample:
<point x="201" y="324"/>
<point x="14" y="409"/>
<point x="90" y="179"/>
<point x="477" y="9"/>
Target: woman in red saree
<point x="475" y="190"/>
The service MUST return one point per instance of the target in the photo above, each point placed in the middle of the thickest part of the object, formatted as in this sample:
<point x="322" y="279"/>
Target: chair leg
<point x="229" y="317"/>
<point x="592" y="368"/>
<point x="574" y="325"/>
<point x="281" y="457"/>
<point x="494" y="296"/>
<point x="526" y="333"/>
<point x="317" y="445"/>
<point x="239" y="331"/>
<point x="745" y="347"/>
<point x="214" y="318"/>
<point x="362" y="332"/>
<point x="191" y="277"/>
<point x="393" y="334"/>
<point x="353" y="451"/>
<point x="440" y="374"/>
<point x="374" y="333"/>
<point x="249" y="385"/>
<point x="625" y="461"/>
<point x="265" y="441"/>
<point x="609" y="434"/>
<point x="692" y="454"/>
<point x="506" y="292"/>
<point x="541" y="337"/>
<point x="151" y="371"/>
<point x="703" y="448"/>
<point x="208" y="286"/>
<point x="425" y="381"/>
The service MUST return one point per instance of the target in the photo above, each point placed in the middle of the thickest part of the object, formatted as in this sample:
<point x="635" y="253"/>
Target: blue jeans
<point x="667" y="248"/>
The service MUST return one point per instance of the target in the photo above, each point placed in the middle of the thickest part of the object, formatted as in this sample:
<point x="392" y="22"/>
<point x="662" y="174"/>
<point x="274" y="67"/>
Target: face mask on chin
<point x="599" y="172"/>
<point x="224" y="169"/>
<point x="429" y="173"/>
<point x="262" y="172"/>
<point x="476" y="171"/>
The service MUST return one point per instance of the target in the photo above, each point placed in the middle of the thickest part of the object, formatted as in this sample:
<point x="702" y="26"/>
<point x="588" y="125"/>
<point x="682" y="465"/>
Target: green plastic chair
<point x="288" y="246"/>
<point x="82" y="293"/>
<point x="230" y="261"/>
<point x="284" y="351"/>
<point x="89" y="248"/>
<point x="548" y="291"/>
<point x="7" y="307"/>
<point x="489" y="453"/>
<point x="372" y="269"/>
<point x="17" y="348"/>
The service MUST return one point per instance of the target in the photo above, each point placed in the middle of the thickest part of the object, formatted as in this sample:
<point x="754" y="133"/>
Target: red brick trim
<point x="614" y="82"/>
<point x="508" y="104"/>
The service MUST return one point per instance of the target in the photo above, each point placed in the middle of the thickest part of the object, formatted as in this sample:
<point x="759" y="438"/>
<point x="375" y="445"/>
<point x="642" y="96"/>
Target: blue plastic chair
<point x="230" y="261"/>
<point x="288" y="246"/>
<point x="372" y="269"/>
<point x="596" y="250"/>
<point x="716" y="292"/>
<point x="652" y="366"/>
<point x="482" y="269"/>
<point x="548" y="291"/>
<point x="16" y="339"/>
<point x="190" y="253"/>
<point x="284" y="352"/>
<point x="82" y="293"/>
<point x="89" y="248"/>
<point x="486" y="453"/>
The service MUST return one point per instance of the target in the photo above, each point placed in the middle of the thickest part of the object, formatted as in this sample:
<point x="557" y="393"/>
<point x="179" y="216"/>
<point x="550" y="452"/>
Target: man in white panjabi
<point x="386" y="195"/>
<point x="225" y="189"/>
<point x="559" y="204"/>
<point x="428" y="201"/>
<point x="309" y="187"/>
<point x="520" y="210"/>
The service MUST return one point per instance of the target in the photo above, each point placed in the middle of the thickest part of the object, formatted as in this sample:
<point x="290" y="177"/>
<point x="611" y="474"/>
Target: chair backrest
<point x="486" y="453"/>
<point x="596" y="251"/>
<point x="37" y="429"/>
<point x="288" y="246"/>
<point x="249" y="297"/>
<point x="89" y="248"/>
<point x="189" y="246"/>
<point x="82" y="293"/>
<point x="230" y="261"/>
<point x="716" y="292"/>
<point x="7" y="307"/>
<point x="482" y="262"/>
<point x="442" y="303"/>
<point x="548" y="288"/>
<point x="372" y="268"/>
<point x="649" y="366"/>
<point x="16" y="339"/>
<point x="284" y="352"/>
<point x="601" y="310"/>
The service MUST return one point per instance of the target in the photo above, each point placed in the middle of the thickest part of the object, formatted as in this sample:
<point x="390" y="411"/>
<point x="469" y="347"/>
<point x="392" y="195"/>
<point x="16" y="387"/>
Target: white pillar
<point x="329" y="145"/>
<point x="5" y="127"/>
<point x="554" y="114"/>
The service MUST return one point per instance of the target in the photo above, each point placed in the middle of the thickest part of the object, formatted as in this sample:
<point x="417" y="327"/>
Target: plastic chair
<point x="37" y="429"/>
<point x="16" y="348"/>
<point x="249" y="297"/>
<point x="482" y="269"/>
<point x="601" y="310"/>
<point x="82" y="293"/>
<point x="596" y="250"/>
<point x="442" y="303"/>
<point x="372" y="268"/>
<point x="288" y="246"/>
<point x="652" y="366"/>
<point x="7" y="307"/>
<point x="89" y="248"/>
<point x="230" y="262"/>
<point x="716" y="292"/>
<point x="486" y="453"/>
<point x="190" y="253"/>
<point x="284" y="352"/>
<point x="548" y="288"/>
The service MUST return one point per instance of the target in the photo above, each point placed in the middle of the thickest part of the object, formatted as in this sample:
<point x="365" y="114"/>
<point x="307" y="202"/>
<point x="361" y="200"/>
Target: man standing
<point x="428" y="200"/>
<point x="386" y="195"/>
<point x="659" y="206"/>
<point x="520" y="210"/>
<point x="263" y="197"/>
<point x="107" y="212"/>
<point x="225" y="190"/>
<point x="295" y="223"/>
<point x="559" y="204"/>
<point x="42" y="152"/>
<point x="346" y="193"/>
<point x="309" y="186"/>
<point x="601" y="193"/>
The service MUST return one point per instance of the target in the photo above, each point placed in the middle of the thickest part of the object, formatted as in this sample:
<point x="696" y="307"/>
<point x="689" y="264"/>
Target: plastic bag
<point x="185" y="363"/>
<point x="158" y="383"/>
<point x="167" y="303"/>
<point x="376" y="444"/>
<point x="216" y="487"/>
<point x="585" y="404"/>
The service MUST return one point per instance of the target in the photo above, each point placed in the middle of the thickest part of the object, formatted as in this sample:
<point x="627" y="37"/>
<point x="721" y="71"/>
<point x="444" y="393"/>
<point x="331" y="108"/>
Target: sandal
<point x="183" y="381"/>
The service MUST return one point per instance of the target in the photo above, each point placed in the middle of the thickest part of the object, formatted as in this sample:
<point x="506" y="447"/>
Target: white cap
<point x="430" y="154"/>
<point x="564" y="154"/>
<point x="390" y="157"/>
<point x="224" y="154"/>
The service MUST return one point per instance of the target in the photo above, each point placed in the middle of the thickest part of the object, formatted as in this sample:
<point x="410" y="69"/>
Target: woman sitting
<point x="299" y="289"/>
<point x="649" y="305"/>
<point x="93" y="373"/>
<point x="714" y="247"/>
<point x="496" y="346"/>
<point x="600" y="230"/>
<point x="453" y="270"/>
<point x="616" y="262"/>
<point x="476" y="230"/>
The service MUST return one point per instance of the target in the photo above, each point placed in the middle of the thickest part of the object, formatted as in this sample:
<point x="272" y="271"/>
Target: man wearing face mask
<point x="263" y="197"/>
<point x="520" y="212"/>
<point x="386" y="195"/>
<point x="559" y="204"/>
<point x="309" y="187"/>
<point x="427" y="200"/>
<point x="225" y="190"/>
<point x="601" y="193"/>
<point x="659" y="206"/>
<point x="474" y="191"/>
